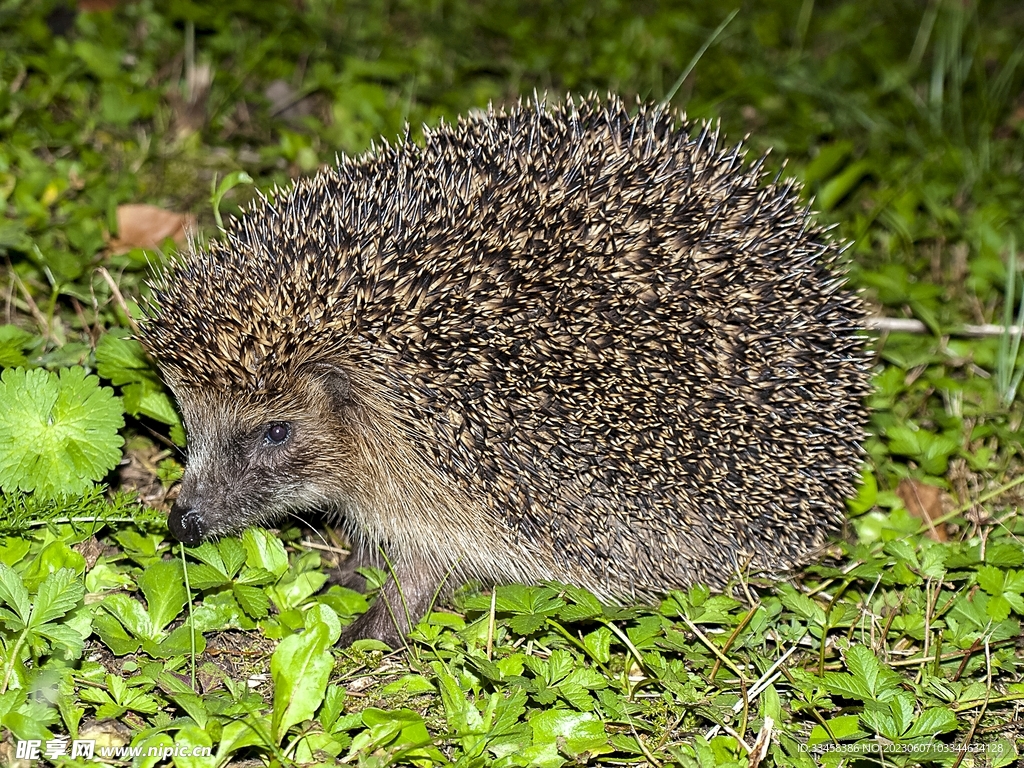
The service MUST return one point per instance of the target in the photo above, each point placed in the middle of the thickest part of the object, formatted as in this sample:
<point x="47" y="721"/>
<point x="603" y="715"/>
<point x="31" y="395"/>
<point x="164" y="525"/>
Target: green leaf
<point x="599" y="643"/>
<point x="575" y="733"/>
<point x="232" y="555"/>
<point x="526" y="624"/>
<point x="209" y="553"/>
<point x="58" y="594"/>
<point x="461" y="714"/>
<point x="178" y="643"/>
<point x="409" y="684"/>
<point x="878" y="719"/>
<point x="508" y="709"/>
<point x="130" y="613"/>
<point x="294" y="591"/>
<point x="842" y="727"/>
<point x="300" y="668"/>
<point x="254" y="601"/>
<point x="103" y="61"/>
<point x="842" y="184"/>
<point x="334" y="703"/>
<point x="801" y="604"/>
<point x="14" y="594"/>
<point x="868" y="680"/>
<point x="828" y="160"/>
<point x="938" y="451"/>
<point x="991" y="579"/>
<point x="202" y="576"/>
<point x="867" y="494"/>
<point x="148" y="399"/>
<point x="13" y="342"/>
<point x="163" y="586"/>
<point x="901" y="706"/>
<point x="1001" y="753"/>
<point x="264" y="551"/>
<point x="114" y="635"/>
<point x="903" y="441"/>
<point x="401" y="729"/>
<point x="932" y="722"/>
<point x="217" y="193"/>
<point x="585" y="605"/>
<point x="122" y="360"/>
<point x="58" y="434"/>
<point x="14" y="236"/>
<point x="1004" y="588"/>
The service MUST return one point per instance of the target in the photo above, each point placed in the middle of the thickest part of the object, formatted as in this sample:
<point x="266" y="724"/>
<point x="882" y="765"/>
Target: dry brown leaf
<point x="147" y="226"/>
<point x="925" y="502"/>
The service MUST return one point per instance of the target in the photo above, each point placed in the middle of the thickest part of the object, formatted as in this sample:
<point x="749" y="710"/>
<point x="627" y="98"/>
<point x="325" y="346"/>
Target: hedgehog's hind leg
<point x="403" y="600"/>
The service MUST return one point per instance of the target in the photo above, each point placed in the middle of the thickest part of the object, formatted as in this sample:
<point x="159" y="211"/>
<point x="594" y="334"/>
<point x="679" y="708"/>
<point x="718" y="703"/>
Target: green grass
<point x="905" y="122"/>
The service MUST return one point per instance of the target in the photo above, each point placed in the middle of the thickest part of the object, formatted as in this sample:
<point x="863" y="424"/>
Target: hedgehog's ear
<point x="336" y="382"/>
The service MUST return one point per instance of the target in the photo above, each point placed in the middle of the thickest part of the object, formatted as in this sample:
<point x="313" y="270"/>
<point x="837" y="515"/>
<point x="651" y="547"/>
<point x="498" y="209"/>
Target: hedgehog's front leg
<point x="403" y="600"/>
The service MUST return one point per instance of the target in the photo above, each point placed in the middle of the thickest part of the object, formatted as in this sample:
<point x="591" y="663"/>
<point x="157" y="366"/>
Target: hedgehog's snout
<point x="186" y="524"/>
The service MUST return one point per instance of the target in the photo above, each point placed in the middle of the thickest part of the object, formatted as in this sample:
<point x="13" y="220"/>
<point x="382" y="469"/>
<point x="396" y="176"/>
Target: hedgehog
<point x="576" y="343"/>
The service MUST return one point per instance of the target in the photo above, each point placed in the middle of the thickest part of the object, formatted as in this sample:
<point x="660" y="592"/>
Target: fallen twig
<point x="908" y="325"/>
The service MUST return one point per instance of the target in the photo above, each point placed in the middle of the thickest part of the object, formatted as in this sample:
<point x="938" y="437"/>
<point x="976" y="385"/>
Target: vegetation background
<point x="122" y="123"/>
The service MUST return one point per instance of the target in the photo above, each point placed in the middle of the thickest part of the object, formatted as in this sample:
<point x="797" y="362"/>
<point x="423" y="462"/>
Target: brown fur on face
<point x="235" y="472"/>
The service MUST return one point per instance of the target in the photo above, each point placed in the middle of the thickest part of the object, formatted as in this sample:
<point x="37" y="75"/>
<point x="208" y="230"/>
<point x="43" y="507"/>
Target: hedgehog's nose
<point x="185" y="524"/>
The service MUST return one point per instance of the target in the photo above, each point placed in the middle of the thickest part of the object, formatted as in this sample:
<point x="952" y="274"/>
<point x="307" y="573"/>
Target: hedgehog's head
<point x="255" y="456"/>
<point x="250" y="332"/>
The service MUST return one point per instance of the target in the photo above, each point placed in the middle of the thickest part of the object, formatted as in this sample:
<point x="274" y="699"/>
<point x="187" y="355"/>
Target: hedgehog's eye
<point x="277" y="433"/>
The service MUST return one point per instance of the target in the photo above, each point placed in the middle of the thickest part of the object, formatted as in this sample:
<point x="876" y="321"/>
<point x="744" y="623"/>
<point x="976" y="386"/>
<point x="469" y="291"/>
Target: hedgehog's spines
<point x="605" y="330"/>
<point x="757" y="167"/>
